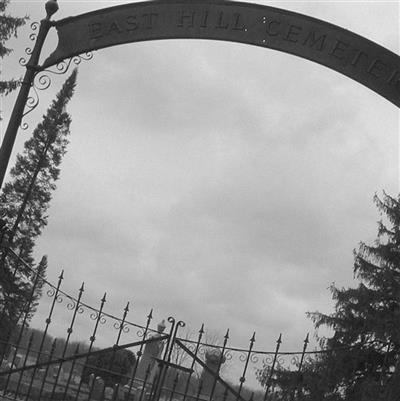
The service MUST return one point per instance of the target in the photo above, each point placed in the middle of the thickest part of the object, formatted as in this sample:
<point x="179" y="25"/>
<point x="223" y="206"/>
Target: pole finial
<point x="51" y="7"/>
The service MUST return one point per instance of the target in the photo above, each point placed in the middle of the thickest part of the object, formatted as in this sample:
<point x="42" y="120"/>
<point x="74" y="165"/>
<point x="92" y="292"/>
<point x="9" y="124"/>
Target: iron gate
<point x="144" y="363"/>
<point x="162" y="380"/>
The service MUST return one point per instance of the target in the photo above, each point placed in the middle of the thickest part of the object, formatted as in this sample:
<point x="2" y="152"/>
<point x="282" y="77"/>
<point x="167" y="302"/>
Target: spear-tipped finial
<point x="201" y="331"/>
<point x="51" y="7"/>
<point x="306" y="341"/>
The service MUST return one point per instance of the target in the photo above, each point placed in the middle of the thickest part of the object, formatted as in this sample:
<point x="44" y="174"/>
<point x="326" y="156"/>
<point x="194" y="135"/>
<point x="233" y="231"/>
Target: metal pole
<point x="31" y="69"/>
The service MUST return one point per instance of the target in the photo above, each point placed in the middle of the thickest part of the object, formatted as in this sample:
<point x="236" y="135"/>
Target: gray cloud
<point x="219" y="182"/>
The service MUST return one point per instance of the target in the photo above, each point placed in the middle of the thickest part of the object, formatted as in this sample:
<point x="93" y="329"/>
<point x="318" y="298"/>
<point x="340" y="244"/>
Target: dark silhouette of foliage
<point x="24" y="202"/>
<point x="361" y="361"/>
<point x="8" y="28"/>
<point x="112" y="366"/>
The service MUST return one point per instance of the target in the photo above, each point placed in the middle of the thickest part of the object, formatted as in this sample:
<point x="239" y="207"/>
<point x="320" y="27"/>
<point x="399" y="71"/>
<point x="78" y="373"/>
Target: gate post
<point x="165" y="361"/>
<point x="32" y="68"/>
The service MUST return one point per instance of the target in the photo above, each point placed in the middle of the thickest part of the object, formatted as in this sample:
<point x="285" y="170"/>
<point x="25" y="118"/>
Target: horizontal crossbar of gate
<point x="209" y="370"/>
<point x="173" y="365"/>
<point x="86" y="354"/>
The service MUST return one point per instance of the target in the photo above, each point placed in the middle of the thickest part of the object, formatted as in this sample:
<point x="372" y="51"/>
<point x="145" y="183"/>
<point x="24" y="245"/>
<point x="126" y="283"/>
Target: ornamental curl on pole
<point x="40" y="83"/>
<point x="28" y="51"/>
<point x="42" y="80"/>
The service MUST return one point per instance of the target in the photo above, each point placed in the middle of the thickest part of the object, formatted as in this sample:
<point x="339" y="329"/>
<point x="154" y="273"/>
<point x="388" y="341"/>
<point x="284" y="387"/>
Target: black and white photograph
<point x="199" y="200"/>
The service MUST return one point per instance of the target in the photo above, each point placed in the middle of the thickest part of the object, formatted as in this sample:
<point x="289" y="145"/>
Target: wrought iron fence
<point x="144" y="362"/>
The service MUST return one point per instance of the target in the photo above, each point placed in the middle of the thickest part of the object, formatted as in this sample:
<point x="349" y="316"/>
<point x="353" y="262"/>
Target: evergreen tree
<point x="24" y="202"/>
<point x="40" y="272"/>
<point x="361" y="361"/>
<point x="8" y="28"/>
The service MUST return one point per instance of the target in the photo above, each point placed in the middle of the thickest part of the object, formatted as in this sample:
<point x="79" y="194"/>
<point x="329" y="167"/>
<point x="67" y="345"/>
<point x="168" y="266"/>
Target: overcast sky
<point x="218" y="182"/>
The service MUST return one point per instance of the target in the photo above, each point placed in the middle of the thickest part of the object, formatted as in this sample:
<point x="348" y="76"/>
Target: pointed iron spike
<point x="253" y="338"/>
<point x="103" y="300"/>
<point x="227" y="334"/>
<point x="127" y="307"/>
<point x="82" y="287"/>
<point x="280" y="339"/>
<point x="201" y="331"/>
<point x="306" y="341"/>
<point x="150" y="315"/>
<point x="61" y="276"/>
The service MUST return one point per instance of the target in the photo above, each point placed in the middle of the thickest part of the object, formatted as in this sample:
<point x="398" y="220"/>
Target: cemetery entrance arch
<point x="252" y="24"/>
<point x="339" y="49"/>
<point x="343" y="51"/>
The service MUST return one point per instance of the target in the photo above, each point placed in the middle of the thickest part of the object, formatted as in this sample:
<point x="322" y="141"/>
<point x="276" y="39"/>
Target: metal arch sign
<point x="341" y="50"/>
<point x="346" y="52"/>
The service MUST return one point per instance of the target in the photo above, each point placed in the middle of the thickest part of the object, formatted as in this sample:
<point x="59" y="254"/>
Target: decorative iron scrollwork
<point x="280" y="361"/>
<point x="71" y="305"/>
<point x="28" y="51"/>
<point x="59" y="299"/>
<point x="254" y="357"/>
<point x="243" y="356"/>
<point x="141" y="333"/>
<point x="35" y="27"/>
<point x="123" y="326"/>
<point x="94" y="315"/>
<point x="228" y="355"/>
<point x="31" y="104"/>
<point x="63" y="66"/>
<point x="42" y="80"/>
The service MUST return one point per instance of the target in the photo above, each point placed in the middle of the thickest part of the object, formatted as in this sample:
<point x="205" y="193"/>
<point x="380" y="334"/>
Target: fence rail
<point x="146" y="363"/>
